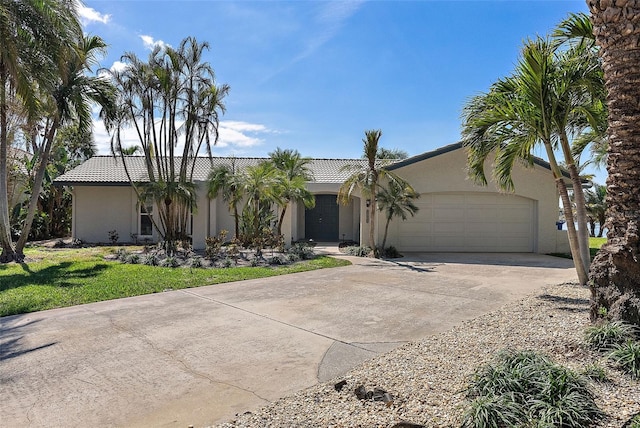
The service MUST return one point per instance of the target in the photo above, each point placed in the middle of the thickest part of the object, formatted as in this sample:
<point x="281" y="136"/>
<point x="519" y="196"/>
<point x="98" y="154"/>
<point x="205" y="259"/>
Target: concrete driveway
<point x="201" y="355"/>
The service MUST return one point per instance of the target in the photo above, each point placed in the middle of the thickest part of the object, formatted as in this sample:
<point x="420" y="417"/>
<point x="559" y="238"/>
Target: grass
<point x="594" y="246"/>
<point x="61" y="278"/>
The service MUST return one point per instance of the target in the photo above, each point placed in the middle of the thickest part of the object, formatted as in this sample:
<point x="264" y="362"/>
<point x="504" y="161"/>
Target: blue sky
<point x="313" y="76"/>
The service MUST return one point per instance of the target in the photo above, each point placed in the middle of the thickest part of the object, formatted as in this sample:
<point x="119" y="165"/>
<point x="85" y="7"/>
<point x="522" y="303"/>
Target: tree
<point x="396" y="200"/>
<point x="69" y="103"/>
<point x="597" y="206"/>
<point x="174" y="104"/>
<point x="294" y="173"/>
<point x="258" y="184"/>
<point x="225" y="180"/>
<point x="614" y="277"/>
<point x="35" y="39"/>
<point x="395" y="154"/>
<point x="543" y="102"/>
<point x="365" y="178"/>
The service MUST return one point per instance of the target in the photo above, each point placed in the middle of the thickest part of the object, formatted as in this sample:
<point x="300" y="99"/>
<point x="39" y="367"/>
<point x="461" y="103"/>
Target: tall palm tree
<point x="292" y="179"/>
<point x="543" y="102"/>
<point x="615" y="272"/>
<point x="70" y="102"/>
<point x="35" y="36"/>
<point x="365" y="178"/>
<point x="170" y="100"/>
<point x="225" y="180"/>
<point x="396" y="200"/>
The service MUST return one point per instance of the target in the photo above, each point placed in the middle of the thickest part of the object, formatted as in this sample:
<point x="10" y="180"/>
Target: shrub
<point x="195" y="262"/>
<point x="391" y="252"/>
<point x="493" y="411"/>
<point x="627" y="357"/>
<point x="524" y="388"/>
<point x="361" y="251"/>
<point x="113" y="236"/>
<point x="150" y="259"/>
<point x="595" y="372"/>
<point x="133" y="259"/>
<point x="293" y="258"/>
<point x="170" y="261"/>
<point x="302" y="250"/>
<point x="227" y="262"/>
<point x="213" y="245"/>
<point x="279" y="259"/>
<point x="122" y="254"/>
<point x="634" y="422"/>
<point x="605" y="335"/>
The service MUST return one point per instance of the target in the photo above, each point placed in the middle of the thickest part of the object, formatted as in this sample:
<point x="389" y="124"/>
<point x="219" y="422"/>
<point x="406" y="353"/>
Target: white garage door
<point x="470" y="222"/>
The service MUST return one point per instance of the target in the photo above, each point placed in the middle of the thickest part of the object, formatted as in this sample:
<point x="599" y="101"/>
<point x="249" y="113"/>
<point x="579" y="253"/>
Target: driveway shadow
<point x="495" y="259"/>
<point x="12" y="341"/>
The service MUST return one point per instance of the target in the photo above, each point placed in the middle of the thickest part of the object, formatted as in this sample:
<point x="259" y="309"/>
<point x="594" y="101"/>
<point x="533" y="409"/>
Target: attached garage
<point x="470" y="222"/>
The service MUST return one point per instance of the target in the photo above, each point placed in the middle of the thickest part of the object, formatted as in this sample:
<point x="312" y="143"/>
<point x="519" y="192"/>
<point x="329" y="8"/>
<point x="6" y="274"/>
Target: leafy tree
<point x="396" y="200"/>
<point x="543" y="102"/>
<point x="365" y="178"/>
<point x="36" y="40"/>
<point x="174" y="104"/>
<point x="615" y="272"/>
<point x="294" y="173"/>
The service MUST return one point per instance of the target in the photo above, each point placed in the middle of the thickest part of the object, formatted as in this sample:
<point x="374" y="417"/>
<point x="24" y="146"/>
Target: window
<point x="146" y="224"/>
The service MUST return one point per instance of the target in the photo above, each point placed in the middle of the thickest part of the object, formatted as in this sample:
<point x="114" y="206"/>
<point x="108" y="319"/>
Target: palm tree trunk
<point x="574" y="242"/>
<point x="615" y="271"/>
<point x="281" y="219"/>
<point x="372" y="226"/>
<point x="386" y="229"/>
<point x="8" y="253"/>
<point x="35" y="191"/>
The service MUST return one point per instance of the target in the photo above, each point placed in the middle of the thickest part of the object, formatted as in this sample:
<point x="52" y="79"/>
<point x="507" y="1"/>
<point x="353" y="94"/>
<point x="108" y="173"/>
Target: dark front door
<point x="321" y="222"/>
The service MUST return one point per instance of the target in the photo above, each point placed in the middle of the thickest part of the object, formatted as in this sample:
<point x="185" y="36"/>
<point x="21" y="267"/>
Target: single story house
<point x="455" y="214"/>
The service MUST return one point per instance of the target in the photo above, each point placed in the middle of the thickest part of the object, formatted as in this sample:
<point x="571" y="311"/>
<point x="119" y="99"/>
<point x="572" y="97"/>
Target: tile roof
<point x="107" y="170"/>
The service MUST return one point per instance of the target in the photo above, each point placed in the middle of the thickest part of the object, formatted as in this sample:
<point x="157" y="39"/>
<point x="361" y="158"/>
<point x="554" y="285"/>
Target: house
<point x="455" y="214"/>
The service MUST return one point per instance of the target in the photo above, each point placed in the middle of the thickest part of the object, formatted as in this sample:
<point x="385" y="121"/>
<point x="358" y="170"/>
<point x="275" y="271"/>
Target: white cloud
<point x="232" y="135"/>
<point x="88" y="15"/>
<point x="150" y="43"/>
<point x="118" y="66"/>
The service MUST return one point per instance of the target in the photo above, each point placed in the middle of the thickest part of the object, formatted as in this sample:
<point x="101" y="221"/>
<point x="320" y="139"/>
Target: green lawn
<point x="59" y="278"/>
<point x="594" y="246"/>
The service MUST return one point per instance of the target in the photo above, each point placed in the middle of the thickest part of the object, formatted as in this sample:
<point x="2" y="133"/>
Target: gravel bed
<point x="426" y="378"/>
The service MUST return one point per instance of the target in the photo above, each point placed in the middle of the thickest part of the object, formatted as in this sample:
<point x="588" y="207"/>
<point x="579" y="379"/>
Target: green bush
<point x="170" y="262"/>
<point x="302" y="250"/>
<point x="133" y="259"/>
<point x="150" y="259"/>
<point x="605" y="335"/>
<point x="360" y="251"/>
<point x="627" y="357"/>
<point x="391" y="252"/>
<point x="195" y="262"/>
<point x="595" y="372"/>
<point x="526" y="388"/>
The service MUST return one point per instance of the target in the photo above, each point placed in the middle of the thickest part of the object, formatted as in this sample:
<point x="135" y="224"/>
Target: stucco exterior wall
<point x="447" y="173"/>
<point x="99" y="209"/>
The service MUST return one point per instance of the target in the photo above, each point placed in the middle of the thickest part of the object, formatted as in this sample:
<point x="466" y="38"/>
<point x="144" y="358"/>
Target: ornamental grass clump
<point x="527" y="389"/>
<point x="606" y="335"/>
<point x="626" y="357"/>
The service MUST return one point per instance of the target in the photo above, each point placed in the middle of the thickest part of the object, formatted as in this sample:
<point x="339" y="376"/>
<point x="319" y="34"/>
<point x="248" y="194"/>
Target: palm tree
<point x="396" y="200"/>
<point x="170" y="100"/>
<point x="294" y="175"/>
<point x="597" y="206"/>
<point x="391" y="154"/>
<point x="35" y="36"/>
<point x="542" y="103"/>
<point x="258" y="184"/>
<point x="365" y="178"/>
<point x="615" y="271"/>
<point x="70" y="102"/>
<point x="224" y="180"/>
